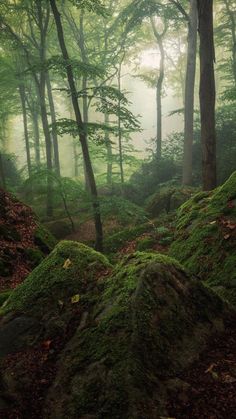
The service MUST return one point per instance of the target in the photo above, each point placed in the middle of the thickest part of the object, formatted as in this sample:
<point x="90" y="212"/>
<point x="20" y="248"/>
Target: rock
<point x="107" y="341"/>
<point x="205" y="238"/>
<point x="167" y="199"/>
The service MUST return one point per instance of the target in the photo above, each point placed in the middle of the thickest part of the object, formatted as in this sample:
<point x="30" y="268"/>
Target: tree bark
<point x="2" y="173"/>
<point x="159" y="38"/>
<point x="207" y="93"/>
<point x="119" y="130"/>
<point x="35" y="121"/>
<point x="53" y="119"/>
<point x="109" y="151"/>
<point x="189" y="93"/>
<point x="25" y="123"/>
<point x="82" y="132"/>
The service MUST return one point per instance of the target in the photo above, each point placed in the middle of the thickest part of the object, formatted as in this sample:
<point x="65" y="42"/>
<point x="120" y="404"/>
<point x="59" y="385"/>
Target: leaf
<point x="226" y="236"/>
<point x="46" y="344"/>
<point x="227" y="378"/>
<point x="67" y="263"/>
<point x="75" y="299"/>
<point x="213" y="222"/>
<point x="60" y="303"/>
<point x="210" y="368"/>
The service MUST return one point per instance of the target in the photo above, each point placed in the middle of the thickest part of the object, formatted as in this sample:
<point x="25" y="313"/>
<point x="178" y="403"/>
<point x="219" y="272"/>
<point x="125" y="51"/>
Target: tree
<point x="81" y="127"/>
<point x="189" y="93"/>
<point x="207" y="94"/>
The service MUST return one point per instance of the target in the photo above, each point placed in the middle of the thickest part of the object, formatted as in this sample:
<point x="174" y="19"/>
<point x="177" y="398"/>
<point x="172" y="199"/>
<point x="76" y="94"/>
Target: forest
<point x="117" y="209"/>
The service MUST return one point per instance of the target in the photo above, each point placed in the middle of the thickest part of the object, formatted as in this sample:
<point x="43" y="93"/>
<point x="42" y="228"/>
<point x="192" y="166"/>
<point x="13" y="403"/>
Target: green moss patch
<point x="151" y="321"/>
<point x="68" y="270"/>
<point x="205" y="238"/>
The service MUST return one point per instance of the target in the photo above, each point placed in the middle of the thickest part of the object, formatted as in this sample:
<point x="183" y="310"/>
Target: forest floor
<point x="211" y="382"/>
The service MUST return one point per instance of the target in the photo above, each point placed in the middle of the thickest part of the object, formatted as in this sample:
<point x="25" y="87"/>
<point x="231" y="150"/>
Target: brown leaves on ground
<point x="20" y="221"/>
<point x="212" y="380"/>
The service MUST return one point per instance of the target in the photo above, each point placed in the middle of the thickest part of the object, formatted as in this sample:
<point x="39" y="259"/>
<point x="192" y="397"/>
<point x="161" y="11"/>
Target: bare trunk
<point x="25" y="123"/>
<point x="82" y="134"/>
<point x="189" y="93"/>
<point x="207" y="93"/>
<point x="2" y="174"/>
<point x="231" y="14"/>
<point x="36" y="137"/>
<point x="109" y="151"/>
<point x="53" y="119"/>
<point x="119" y="131"/>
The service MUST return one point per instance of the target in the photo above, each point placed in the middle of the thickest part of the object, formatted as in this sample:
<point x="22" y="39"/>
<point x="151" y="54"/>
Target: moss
<point x="68" y="269"/>
<point x="4" y="296"/>
<point x="203" y="242"/>
<point x="144" y="328"/>
<point x="116" y="241"/>
<point x="44" y="239"/>
<point x="34" y="255"/>
<point x="145" y="243"/>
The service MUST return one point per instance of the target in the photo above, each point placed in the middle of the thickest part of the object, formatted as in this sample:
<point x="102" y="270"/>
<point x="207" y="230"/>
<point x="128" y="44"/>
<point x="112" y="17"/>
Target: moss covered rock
<point x="205" y="238"/>
<point x="167" y="199"/>
<point x="152" y="320"/>
<point x="88" y="342"/>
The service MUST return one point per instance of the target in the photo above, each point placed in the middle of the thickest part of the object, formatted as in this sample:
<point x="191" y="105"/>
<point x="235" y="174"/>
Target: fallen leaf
<point x="226" y="236"/>
<point x="60" y="303"/>
<point x="75" y="299"/>
<point x="213" y="222"/>
<point x="67" y="263"/>
<point x="227" y="378"/>
<point x="210" y="368"/>
<point x="46" y="344"/>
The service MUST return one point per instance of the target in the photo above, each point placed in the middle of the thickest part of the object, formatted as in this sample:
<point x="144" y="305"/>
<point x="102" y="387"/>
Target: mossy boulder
<point x="167" y="199"/>
<point x="205" y="237"/>
<point x="151" y="321"/>
<point x="86" y="341"/>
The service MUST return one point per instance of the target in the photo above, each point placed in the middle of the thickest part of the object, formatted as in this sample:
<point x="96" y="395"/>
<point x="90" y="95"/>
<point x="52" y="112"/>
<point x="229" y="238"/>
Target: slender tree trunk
<point x="189" y="93"/>
<point x="119" y="130"/>
<point x="82" y="134"/>
<point x="34" y="115"/>
<point x="207" y="93"/>
<point x="44" y="117"/>
<point x="53" y="119"/>
<point x="109" y="151"/>
<point x="159" y="99"/>
<point x="25" y="123"/>
<point x="2" y="173"/>
<point x="76" y="159"/>
<point x="159" y="38"/>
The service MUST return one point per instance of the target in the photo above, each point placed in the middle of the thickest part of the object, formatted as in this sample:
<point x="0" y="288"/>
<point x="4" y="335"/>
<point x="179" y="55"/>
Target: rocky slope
<point x="81" y="339"/>
<point x="205" y="240"/>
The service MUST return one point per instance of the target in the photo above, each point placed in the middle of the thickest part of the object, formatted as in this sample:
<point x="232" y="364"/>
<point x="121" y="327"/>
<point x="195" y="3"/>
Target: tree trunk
<point x="119" y="131"/>
<point x="53" y="119"/>
<point x="189" y="93"/>
<point x="26" y="133"/>
<point x="82" y="133"/>
<point x="109" y="151"/>
<point x="2" y="174"/>
<point x="44" y="117"/>
<point x="34" y="115"/>
<point x="207" y="93"/>
<point x="159" y="38"/>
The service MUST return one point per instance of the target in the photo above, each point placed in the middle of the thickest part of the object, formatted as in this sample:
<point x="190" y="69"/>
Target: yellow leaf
<point x="67" y="264"/>
<point x="75" y="299"/>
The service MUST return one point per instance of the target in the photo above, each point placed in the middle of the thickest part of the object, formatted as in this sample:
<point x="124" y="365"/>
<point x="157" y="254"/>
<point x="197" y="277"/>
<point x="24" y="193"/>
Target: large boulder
<point x="205" y="238"/>
<point x="100" y="344"/>
<point x="167" y="199"/>
<point x="24" y="242"/>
